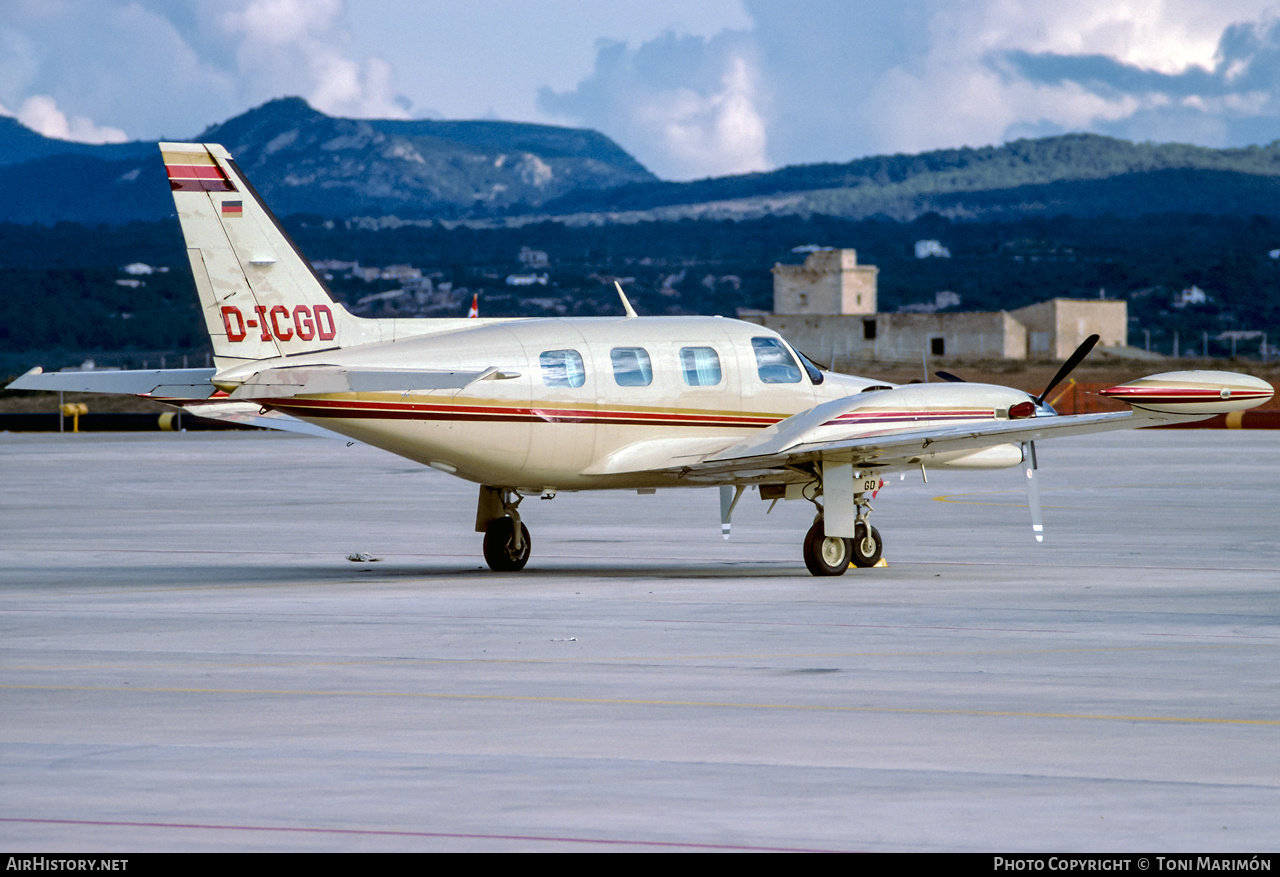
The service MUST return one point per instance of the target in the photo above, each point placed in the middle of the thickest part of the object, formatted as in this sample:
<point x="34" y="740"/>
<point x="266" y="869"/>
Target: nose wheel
<point x="506" y="539"/>
<point x="506" y="545"/>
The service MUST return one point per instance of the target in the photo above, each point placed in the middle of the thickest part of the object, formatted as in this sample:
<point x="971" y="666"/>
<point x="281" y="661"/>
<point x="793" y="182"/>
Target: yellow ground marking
<point x="602" y="659"/>
<point x="954" y="497"/>
<point x="621" y="701"/>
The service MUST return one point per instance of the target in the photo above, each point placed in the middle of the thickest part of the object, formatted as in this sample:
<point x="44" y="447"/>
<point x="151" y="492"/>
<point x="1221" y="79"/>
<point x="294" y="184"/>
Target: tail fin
<point x="261" y="298"/>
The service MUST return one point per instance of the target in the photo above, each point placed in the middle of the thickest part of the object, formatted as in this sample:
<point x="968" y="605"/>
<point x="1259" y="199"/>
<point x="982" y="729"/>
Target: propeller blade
<point x="950" y="378"/>
<point x="1033" y="489"/>
<point x="1069" y="366"/>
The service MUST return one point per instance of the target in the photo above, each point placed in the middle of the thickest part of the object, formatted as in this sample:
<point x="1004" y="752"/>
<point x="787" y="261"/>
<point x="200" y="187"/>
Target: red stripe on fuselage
<point x="541" y="414"/>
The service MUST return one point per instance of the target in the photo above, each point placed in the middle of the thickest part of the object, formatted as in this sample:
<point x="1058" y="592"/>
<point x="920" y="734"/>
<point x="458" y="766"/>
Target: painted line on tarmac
<point x="957" y="498"/>
<point x="445" y="835"/>
<point x="605" y="659"/>
<point x="613" y="701"/>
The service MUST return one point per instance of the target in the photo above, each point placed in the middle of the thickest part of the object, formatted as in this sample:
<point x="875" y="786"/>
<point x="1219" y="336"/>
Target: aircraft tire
<point x="498" y="551"/>
<point x="860" y="557"/>
<point x="826" y="556"/>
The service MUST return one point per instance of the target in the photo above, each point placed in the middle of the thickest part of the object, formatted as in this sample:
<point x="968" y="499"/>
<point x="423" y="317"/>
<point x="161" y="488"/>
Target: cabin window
<point x="701" y="366"/>
<point x="562" y="368"/>
<point x="631" y="367"/>
<point x="774" y="363"/>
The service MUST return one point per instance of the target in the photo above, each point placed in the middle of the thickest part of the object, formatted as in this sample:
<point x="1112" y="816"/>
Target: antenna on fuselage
<point x="626" y="305"/>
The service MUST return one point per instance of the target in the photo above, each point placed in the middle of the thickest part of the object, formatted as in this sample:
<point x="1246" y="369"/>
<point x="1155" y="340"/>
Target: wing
<point x="944" y="423"/>
<point x="907" y="447"/>
<point x="194" y="390"/>
<point x="173" y="383"/>
<point x="198" y="383"/>
<point x="278" y="383"/>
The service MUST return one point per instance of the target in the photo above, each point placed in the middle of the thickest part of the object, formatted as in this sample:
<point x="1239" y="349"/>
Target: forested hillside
<point x="60" y="288"/>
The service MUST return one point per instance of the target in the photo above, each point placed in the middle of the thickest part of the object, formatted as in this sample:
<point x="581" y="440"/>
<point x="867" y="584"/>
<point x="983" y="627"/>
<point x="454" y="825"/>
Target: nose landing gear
<point x="506" y="539"/>
<point x="506" y="544"/>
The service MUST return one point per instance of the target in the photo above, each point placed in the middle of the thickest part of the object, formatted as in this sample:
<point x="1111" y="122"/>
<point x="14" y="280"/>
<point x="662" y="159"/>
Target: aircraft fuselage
<point x="591" y="403"/>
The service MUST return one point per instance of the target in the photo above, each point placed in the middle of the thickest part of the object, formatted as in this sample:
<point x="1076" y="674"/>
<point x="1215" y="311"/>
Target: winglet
<point x="626" y="305"/>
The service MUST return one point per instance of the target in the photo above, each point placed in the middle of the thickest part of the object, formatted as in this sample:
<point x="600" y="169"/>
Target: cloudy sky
<point x="692" y="88"/>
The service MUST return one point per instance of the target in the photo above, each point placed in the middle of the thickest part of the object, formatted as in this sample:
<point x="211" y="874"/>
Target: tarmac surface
<point x="188" y="661"/>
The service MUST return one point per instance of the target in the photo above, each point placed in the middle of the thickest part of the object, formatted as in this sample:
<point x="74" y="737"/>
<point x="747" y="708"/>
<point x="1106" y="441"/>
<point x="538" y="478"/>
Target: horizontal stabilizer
<point x="174" y="383"/>
<point x="277" y="383"/>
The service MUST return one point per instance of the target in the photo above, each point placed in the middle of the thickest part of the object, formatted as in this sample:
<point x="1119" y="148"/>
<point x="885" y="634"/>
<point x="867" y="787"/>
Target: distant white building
<point x="334" y="265"/>
<point x="931" y="249"/>
<point x="526" y="279"/>
<point x="941" y="301"/>
<point x="827" y="307"/>
<point x="829" y="282"/>
<point x="401" y="272"/>
<point x="1191" y="296"/>
<point x="389" y="295"/>
<point x="533" y="259"/>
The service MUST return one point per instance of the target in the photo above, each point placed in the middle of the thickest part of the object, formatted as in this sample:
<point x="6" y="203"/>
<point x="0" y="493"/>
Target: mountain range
<point x="508" y="173"/>
<point x="303" y="161"/>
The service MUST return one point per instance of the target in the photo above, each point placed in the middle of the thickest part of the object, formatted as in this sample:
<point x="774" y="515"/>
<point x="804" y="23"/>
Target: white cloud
<point x="40" y="113"/>
<point x="705" y="134"/>
<point x="719" y="86"/>
<point x="302" y="46"/>
<point x="171" y="67"/>
<point x="928" y="74"/>
<point x="685" y="106"/>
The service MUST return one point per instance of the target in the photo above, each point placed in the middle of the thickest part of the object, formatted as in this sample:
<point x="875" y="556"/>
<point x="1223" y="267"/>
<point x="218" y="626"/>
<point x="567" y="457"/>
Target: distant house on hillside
<point x="931" y="249"/>
<point x="532" y="259"/>
<point x="526" y="279"/>
<point x="1193" y="295"/>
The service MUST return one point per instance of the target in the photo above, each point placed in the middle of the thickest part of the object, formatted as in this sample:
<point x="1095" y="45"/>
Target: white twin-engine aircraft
<point x="530" y="407"/>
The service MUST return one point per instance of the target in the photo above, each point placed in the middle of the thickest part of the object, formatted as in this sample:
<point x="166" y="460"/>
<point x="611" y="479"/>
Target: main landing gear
<point x="831" y="555"/>
<point x="506" y="539"/>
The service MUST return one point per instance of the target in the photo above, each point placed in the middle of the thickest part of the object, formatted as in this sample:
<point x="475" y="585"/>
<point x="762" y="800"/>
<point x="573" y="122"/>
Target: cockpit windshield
<point x="815" y="373"/>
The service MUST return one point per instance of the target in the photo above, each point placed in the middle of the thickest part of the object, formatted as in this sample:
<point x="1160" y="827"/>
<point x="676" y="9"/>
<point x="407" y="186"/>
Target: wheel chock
<point x="879" y="564"/>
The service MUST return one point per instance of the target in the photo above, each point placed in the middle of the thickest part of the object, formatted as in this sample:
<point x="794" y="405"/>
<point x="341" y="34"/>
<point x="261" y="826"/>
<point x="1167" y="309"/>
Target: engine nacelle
<point x="998" y="457"/>
<point x="1193" y="392"/>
